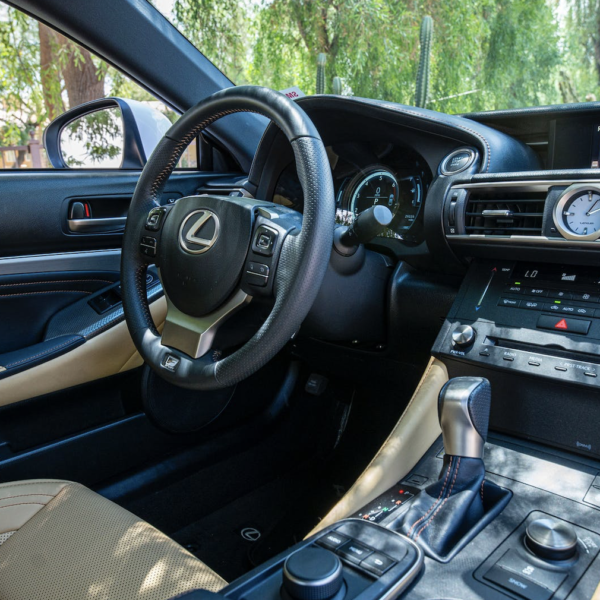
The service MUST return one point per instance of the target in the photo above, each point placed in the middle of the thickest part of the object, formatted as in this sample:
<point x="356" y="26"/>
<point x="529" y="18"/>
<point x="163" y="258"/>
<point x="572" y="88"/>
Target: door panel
<point x="59" y="284"/>
<point x="27" y="302"/>
<point x="34" y="208"/>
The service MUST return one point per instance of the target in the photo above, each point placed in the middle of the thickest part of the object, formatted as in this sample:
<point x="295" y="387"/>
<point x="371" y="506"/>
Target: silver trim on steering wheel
<point x="194" y="335"/>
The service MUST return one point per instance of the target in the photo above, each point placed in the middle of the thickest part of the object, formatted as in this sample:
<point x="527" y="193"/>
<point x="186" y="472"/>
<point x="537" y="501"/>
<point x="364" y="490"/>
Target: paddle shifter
<point x="448" y="511"/>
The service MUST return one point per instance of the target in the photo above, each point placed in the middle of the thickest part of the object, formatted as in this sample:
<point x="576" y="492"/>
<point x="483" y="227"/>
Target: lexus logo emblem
<point x="250" y="534"/>
<point x="199" y="231"/>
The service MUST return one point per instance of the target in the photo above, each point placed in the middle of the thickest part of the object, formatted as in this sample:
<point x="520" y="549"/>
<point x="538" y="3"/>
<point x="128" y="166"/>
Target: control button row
<point x="148" y="246"/>
<point x="557" y="307"/>
<point x="356" y="553"/>
<point x="548" y="293"/>
<point x="581" y="368"/>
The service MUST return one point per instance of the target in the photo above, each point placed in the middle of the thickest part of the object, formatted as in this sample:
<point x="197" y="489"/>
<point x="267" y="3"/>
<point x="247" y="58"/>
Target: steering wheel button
<point x="155" y="219"/>
<point x="170" y="362"/>
<point x="264" y="240"/>
<point x="256" y="279"/>
<point x="258" y="268"/>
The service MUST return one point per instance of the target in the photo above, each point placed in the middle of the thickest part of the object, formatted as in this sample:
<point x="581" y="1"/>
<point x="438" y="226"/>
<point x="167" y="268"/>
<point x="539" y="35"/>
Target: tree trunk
<point x="83" y="80"/>
<point x="49" y="74"/>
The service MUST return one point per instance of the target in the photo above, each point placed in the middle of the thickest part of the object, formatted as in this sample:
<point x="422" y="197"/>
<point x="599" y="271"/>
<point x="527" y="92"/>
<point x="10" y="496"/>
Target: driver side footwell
<point x="282" y="486"/>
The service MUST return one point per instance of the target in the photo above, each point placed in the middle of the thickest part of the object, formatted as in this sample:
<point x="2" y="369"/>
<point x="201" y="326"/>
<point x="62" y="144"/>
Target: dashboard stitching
<point x="441" y="122"/>
<point x="3" y="285"/>
<point x="49" y="351"/>
<point x="47" y="292"/>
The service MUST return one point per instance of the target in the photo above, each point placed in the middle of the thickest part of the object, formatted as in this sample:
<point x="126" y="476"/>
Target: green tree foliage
<point x="219" y="28"/>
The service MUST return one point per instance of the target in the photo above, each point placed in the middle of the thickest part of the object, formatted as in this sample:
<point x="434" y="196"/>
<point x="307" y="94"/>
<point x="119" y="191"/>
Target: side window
<point x="42" y="75"/>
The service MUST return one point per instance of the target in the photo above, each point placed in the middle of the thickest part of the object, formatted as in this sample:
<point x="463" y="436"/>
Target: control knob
<point x="312" y="574"/>
<point x="463" y="336"/>
<point x="551" y="539"/>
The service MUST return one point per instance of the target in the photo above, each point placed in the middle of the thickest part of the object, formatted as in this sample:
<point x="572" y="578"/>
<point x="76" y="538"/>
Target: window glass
<point x="449" y="56"/>
<point x="43" y="74"/>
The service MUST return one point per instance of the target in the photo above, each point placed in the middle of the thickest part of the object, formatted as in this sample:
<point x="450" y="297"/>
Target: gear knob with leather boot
<point x="449" y="512"/>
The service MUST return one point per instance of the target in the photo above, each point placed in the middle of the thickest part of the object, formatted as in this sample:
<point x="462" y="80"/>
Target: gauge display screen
<point x="379" y="187"/>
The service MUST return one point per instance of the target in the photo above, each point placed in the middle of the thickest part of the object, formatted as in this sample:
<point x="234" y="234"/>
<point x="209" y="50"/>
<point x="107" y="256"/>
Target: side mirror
<point x="107" y="133"/>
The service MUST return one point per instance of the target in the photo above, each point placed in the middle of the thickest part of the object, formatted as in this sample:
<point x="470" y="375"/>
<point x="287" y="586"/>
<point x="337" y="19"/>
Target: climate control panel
<point x="541" y="320"/>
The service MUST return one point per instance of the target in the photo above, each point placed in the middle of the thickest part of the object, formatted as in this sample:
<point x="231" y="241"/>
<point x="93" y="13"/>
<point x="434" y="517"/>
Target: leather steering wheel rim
<point x="304" y="254"/>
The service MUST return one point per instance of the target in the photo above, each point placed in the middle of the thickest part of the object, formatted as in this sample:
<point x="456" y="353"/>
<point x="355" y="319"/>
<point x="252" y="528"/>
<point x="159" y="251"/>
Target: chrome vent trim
<point x="504" y="212"/>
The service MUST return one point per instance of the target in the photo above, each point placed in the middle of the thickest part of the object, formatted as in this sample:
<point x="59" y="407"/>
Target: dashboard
<point x="496" y="234"/>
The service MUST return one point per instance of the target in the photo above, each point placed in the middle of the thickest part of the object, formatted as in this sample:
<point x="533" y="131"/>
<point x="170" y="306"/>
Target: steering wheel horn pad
<point x="202" y="250"/>
<point x="205" y="250"/>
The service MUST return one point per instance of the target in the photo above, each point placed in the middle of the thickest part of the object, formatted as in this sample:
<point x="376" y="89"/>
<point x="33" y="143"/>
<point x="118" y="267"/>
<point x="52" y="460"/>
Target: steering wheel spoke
<point x="194" y="336"/>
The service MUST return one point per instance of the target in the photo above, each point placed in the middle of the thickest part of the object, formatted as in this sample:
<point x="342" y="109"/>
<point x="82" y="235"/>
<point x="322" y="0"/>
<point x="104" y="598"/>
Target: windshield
<point x="445" y="55"/>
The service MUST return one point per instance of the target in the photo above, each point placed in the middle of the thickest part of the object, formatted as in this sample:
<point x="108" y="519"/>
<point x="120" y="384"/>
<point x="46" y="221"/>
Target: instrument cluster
<point x="367" y="174"/>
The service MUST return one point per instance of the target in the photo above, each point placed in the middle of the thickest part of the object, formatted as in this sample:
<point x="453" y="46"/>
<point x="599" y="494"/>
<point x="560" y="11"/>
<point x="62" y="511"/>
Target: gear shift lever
<point x="464" y="413"/>
<point x="449" y="512"/>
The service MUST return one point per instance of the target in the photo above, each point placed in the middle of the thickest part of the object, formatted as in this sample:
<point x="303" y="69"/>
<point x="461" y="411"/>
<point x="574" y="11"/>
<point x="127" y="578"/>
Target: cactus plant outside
<point x="422" y="90"/>
<point x="337" y="86"/>
<point x="321" y="60"/>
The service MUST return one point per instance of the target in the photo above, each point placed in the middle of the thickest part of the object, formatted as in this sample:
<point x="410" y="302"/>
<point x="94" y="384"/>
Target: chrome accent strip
<point x="528" y="240"/>
<point x="87" y="260"/>
<point x="498" y="213"/>
<point x="541" y="185"/>
<point x="89" y="226"/>
<point x="194" y="335"/>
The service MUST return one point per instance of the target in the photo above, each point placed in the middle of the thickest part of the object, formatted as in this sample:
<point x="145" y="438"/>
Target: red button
<point x="562" y="324"/>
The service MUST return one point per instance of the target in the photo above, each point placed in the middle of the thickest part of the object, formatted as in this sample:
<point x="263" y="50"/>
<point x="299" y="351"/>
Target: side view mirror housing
<point x="105" y="133"/>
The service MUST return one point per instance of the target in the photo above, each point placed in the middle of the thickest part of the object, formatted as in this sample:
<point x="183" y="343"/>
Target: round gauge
<point x="577" y="213"/>
<point x="376" y="187"/>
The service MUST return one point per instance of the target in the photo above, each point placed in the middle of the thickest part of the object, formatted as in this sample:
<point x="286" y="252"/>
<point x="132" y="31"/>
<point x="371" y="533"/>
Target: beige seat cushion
<point x="61" y="541"/>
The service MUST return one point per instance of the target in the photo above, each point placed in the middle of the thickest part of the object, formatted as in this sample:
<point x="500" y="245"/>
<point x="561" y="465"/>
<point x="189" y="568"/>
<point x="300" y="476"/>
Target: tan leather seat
<point x="61" y="541"/>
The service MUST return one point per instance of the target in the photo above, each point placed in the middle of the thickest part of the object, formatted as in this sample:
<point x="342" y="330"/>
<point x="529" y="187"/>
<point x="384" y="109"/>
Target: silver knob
<point x="551" y="539"/>
<point x="463" y="336"/>
<point x="464" y="412"/>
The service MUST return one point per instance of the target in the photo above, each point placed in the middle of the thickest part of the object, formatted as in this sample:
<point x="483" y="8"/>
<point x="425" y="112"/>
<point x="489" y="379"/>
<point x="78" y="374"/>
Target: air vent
<point x="501" y="212"/>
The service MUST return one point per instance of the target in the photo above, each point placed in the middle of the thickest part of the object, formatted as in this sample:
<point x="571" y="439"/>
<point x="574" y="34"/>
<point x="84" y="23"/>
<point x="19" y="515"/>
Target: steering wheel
<point x="216" y="253"/>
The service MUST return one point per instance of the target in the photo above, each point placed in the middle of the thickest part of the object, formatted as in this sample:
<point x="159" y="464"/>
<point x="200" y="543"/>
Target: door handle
<point x="115" y="224"/>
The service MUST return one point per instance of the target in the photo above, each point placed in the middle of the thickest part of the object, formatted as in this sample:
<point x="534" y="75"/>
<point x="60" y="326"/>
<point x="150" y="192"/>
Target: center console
<point x="534" y="331"/>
